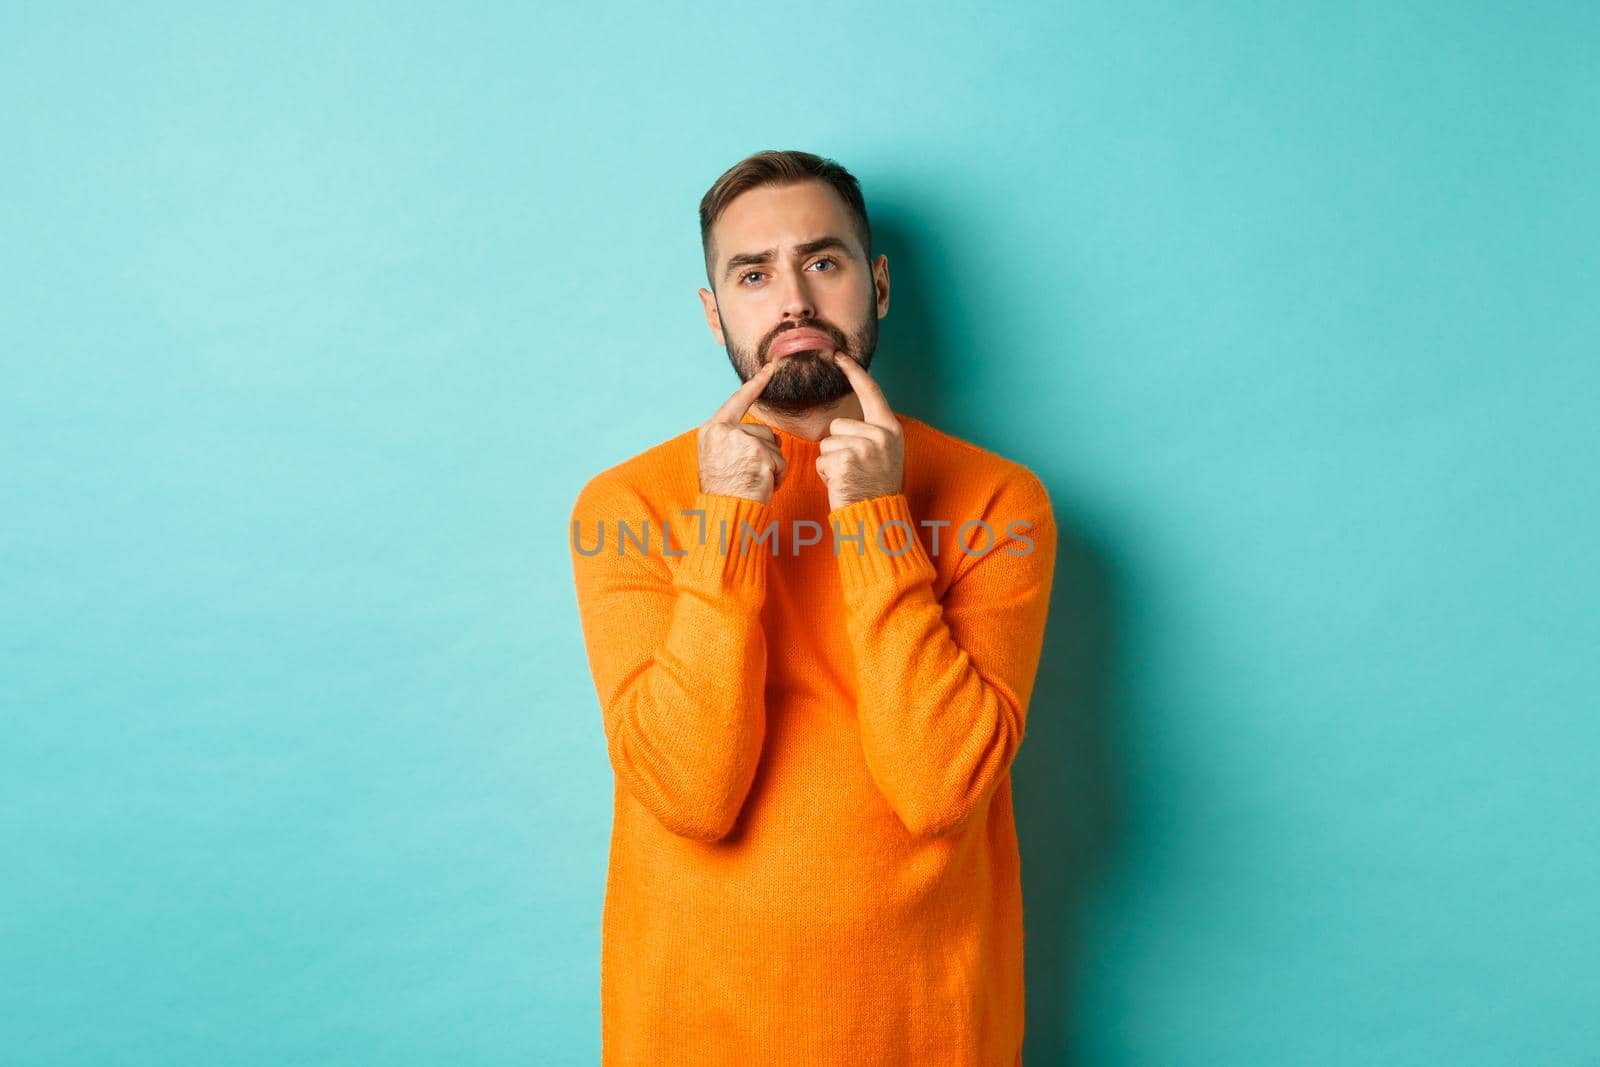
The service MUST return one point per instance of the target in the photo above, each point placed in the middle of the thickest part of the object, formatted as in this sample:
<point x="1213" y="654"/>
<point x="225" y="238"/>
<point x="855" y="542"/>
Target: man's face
<point x="772" y="280"/>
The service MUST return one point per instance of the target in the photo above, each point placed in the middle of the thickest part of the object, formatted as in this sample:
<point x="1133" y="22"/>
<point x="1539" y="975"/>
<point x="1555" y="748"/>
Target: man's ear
<point x="708" y="301"/>
<point x="880" y="284"/>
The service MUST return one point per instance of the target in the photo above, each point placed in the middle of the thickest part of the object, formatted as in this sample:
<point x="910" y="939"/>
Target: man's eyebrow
<point x="746" y="259"/>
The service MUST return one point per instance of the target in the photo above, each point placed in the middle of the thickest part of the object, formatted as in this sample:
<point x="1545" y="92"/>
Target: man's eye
<point x="745" y="277"/>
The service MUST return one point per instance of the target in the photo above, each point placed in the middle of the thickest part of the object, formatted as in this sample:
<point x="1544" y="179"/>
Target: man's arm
<point x="944" y="686"/>
<point x="679" y="659"/>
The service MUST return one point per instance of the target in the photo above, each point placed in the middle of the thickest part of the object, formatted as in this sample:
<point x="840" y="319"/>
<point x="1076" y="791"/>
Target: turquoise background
<point x="316" y="318"/>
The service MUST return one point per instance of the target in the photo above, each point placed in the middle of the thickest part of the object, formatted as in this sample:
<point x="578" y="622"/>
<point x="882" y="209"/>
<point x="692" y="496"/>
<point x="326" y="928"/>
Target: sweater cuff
<point x="876" y="542"/>
<point x="722" y="553"/>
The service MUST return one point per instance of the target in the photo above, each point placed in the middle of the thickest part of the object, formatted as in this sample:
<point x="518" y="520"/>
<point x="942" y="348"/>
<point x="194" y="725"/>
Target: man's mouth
<point x="798" y="341"/>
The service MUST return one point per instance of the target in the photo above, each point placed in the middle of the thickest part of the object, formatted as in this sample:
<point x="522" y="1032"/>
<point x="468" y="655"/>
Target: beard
<point x="805" y="379"/>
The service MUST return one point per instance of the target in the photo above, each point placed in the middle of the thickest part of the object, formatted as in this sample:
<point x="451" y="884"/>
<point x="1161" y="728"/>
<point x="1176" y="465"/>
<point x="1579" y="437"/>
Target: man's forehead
<point x="780" y="216"/>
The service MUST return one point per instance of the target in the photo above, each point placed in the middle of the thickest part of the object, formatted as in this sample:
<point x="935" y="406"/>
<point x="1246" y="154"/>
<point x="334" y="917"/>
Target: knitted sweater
<point x="813" y="857"/>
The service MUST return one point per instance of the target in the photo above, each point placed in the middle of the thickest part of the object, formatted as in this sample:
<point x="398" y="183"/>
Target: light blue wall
<point x="314" y="323"/>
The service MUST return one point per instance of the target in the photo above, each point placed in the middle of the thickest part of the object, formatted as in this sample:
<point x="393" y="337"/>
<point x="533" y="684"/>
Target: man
<point x="813" y="683"/>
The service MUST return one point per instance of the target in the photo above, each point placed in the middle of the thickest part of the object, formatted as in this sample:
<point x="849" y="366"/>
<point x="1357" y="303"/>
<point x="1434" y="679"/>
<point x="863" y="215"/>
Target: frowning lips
<point x="798" y="340"/>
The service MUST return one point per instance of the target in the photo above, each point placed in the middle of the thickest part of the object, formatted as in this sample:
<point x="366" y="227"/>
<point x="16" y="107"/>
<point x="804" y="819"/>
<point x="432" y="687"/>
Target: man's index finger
<point x="733" y="408"/>
<point x="874" y="405"/>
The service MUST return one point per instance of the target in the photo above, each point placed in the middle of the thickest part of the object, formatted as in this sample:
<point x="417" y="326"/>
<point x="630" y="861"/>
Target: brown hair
<point x="780" y="168"/>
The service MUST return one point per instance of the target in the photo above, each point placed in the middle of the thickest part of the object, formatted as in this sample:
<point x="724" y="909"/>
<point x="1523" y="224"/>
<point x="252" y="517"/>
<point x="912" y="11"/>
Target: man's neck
<point x="811" y="424"/>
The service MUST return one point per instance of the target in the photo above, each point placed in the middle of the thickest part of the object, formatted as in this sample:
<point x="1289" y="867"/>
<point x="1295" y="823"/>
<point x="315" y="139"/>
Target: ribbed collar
<point x="791" y="444"/>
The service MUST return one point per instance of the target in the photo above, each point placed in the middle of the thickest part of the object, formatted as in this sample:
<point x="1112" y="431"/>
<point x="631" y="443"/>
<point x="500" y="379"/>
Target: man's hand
<point x="862" y="458"/>
<point x="739" y="458"/>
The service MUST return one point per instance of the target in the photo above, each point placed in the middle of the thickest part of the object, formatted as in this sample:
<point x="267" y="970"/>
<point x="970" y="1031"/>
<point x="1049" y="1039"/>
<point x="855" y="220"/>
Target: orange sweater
<point x="813" y="859"/>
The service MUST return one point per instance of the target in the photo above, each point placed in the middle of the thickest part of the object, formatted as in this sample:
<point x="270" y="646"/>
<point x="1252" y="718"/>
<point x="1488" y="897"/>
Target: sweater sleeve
<point x="944" y="684"/>
<point x="678" y="654"/>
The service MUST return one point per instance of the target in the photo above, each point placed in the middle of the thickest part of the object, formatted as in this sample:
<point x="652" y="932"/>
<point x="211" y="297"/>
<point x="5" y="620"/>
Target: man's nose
<point x="797" y="301"/>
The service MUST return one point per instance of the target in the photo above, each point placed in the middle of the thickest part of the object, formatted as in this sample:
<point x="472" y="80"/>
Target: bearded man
<point x="814" y="686"/>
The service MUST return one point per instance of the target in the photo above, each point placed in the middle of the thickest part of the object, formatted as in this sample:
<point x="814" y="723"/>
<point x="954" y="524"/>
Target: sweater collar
<point x="791" y="444"/>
